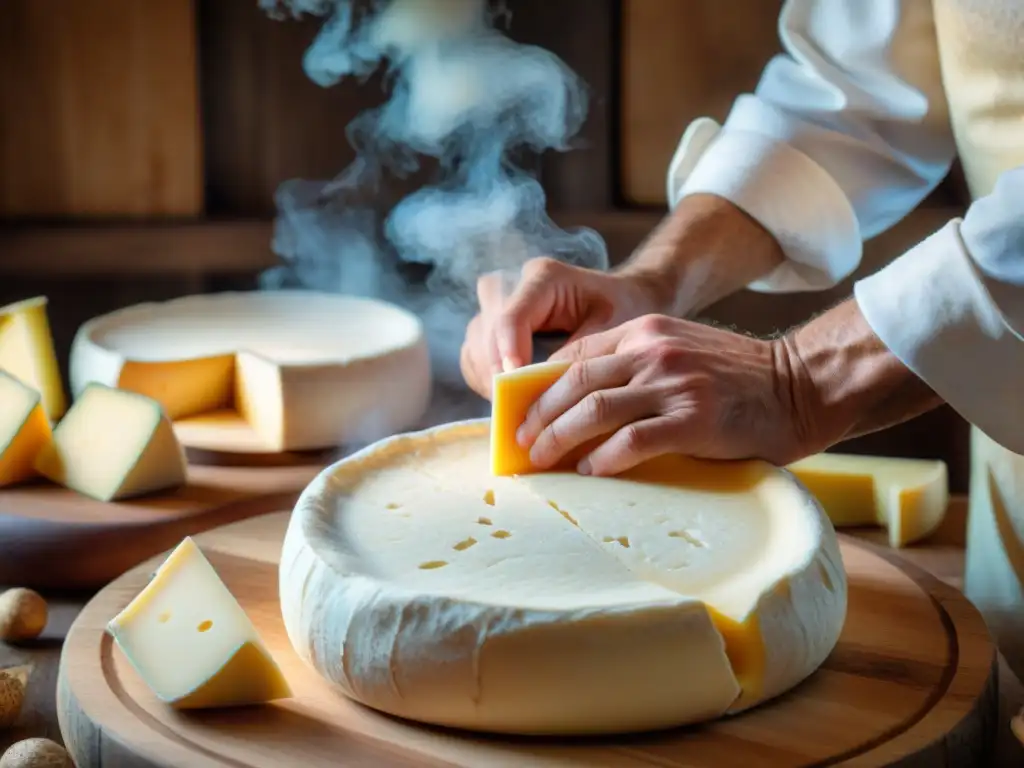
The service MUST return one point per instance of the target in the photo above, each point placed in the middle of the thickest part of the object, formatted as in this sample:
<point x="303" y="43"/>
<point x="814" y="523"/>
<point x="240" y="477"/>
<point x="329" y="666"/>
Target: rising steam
<point x="464" y="102"/>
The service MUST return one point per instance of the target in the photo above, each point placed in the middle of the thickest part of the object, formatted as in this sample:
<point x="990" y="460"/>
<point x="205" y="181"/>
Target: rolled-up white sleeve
<point x="952" y="310"/>
<point x="846" y="132"/>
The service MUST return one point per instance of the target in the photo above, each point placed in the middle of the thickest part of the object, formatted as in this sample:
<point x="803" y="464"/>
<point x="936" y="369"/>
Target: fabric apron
<point x="981" y="49"/>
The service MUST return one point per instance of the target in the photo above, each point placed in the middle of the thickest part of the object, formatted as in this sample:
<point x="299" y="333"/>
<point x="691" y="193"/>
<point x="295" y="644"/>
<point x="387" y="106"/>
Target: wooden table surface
<point x="942" y="555"/>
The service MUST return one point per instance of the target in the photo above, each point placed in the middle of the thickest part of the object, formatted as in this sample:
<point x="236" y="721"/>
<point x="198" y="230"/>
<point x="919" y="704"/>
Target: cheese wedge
<point x="264" y="371"/>
<point x="113" y="445"/>
<point x="512" y="394"/>
<point x="27" y="353"/>
<point x="24" y="430"/>
<point x="192" y="643"/>
<point x="555" y="603"/>
<point x="908" y="497"/>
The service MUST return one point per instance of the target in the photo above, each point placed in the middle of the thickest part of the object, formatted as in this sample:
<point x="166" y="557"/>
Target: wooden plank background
<point x="99" y="109"/>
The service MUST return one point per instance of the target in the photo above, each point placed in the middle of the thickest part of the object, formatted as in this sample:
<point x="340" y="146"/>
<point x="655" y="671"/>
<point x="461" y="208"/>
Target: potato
<point x="13" y="684"/>
<point x="36" y="753"/>
<point x="23" y="615"/>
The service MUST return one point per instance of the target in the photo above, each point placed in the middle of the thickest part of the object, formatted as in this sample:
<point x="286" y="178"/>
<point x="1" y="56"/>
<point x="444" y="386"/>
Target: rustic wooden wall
<point x="98" y="109"/>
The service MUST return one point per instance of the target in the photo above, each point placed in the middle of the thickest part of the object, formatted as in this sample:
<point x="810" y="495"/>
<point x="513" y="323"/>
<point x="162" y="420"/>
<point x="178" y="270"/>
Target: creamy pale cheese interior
<point x="426" y="516"/>
<point x="248" y="371"/>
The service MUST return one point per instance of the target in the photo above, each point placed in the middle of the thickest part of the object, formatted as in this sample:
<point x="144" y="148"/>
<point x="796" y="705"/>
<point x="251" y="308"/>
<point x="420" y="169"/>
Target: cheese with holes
<point x="512" y="394"/>
<point x="553" y="603"/>
<point x="113" y="445"/>
<point x="24" y="430"/>
<point x="192" y="643"/>
<point x="27" y="353"/>
<point x="906" y="496"/>
<point x="265" y="371"/>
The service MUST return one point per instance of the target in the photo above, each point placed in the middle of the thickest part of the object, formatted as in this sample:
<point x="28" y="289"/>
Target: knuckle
<point x="632" y="439"/>
<point x="578" y="376"/>
<point x="541" y="267"/>
<point x="654" y="325"/>
<point x="595" y="407"/>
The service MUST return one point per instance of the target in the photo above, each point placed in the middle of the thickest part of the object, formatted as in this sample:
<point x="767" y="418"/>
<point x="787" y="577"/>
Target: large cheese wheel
<point x="423" y="586"/>
<point x="264" y="371"/>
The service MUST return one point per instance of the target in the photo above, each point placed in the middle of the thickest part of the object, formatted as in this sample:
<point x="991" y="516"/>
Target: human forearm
<point x="845" y="382"/>
<point x="704" y="250"/>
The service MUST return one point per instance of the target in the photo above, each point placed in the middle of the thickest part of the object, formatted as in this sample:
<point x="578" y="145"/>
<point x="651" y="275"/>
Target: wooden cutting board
<point x="54" y="538"/>
<point x="911" y="683"/>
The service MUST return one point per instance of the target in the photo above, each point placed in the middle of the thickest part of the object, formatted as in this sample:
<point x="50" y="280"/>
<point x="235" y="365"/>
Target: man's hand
<point x="701" y="252"/>
<point x="551" y="296"/>
<point x="657" y="385"/>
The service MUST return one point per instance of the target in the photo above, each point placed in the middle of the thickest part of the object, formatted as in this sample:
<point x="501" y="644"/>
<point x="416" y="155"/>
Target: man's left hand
<point x="658" y="385"/>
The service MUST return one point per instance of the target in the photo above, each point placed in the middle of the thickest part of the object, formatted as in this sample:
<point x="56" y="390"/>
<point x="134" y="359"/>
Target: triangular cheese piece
<point x="114" y="445"/>
<point x="192" y="643"/>
<point x="27" y="353"/>
<point x="908" y="497"/>
<point x="24" y="430"/>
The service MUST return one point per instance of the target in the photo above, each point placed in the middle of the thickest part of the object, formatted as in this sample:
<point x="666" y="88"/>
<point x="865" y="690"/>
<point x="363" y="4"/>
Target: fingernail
<point x="584" y="467"/>
<point x="522" y="437"/>
<point x="507" y="364"/>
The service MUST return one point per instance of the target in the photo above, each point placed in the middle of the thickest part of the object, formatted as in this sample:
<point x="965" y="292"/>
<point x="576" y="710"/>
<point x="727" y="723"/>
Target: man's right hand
<point x="551" y="296"/>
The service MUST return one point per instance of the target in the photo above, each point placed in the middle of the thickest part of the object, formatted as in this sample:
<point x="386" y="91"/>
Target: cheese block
<point x="424" y="586"/>
<point x="27" y="353"/>
<point x="24" y="430"/>
<point x="114" y="445"/>
<point x="906" y="496"/>
<point x="512" y="394"/>
<point x="265" y="371"/>
<point x="192" y="643"/>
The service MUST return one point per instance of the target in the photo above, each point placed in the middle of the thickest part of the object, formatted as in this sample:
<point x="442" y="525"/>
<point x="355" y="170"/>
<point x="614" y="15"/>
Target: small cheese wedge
<point x="192" y="643"/>
<point x="27" y="353"/>
<point x="24" y="430"/>
<point x="908" y="497"/>
<point x="512" y="395"/>
<point x="114" y="445"/>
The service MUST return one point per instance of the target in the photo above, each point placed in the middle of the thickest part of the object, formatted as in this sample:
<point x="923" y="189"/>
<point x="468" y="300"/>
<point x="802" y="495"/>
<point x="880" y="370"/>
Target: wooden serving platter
<point x="55" y="538"/>
<point x="911" y="683"/>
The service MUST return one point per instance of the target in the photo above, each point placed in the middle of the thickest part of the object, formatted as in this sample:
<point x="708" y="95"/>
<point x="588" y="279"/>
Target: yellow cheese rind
<point x="908" y="497"/>
<point x="555" y="603"/>
<point x="512" y="394"/>
<point x="27" y="352"/>
<point x="24" y="430"/>
<point x="113" y="445"/>
<point x="300" y="370"/>
<point x="192" y="643"/>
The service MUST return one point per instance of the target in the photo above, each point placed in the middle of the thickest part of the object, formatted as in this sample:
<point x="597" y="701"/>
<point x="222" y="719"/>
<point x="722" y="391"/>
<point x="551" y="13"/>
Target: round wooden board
<point x="55" y="538"/>
<point x="911" y="682"/>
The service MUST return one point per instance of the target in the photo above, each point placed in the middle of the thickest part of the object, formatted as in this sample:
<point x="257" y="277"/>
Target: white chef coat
<point x="846" y="132"/>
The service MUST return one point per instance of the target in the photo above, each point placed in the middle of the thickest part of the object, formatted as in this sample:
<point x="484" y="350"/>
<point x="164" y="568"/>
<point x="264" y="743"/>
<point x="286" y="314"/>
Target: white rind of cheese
<point x="424" y="587"/>
<point x="314" y="370"/>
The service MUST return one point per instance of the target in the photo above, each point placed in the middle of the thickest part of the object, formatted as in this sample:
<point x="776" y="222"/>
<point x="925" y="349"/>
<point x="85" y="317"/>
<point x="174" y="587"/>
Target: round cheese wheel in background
<point x="265" y="371"/>
<point x="555" y="603"/>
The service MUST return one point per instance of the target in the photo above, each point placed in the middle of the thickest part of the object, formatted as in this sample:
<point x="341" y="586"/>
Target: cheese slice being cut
<point x="24" y="430"/>
<point x="265" y="371"/>
<point x="512" y="395"/>
<point x="27" y="353"/>
<point x="114" y="445"/>
<point x="908" y="497"/>
<point x="192" y="643"/>
<point x="426" y="587"/>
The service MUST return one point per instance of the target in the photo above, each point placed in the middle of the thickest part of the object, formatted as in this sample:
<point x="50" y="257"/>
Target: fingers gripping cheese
<point x="424" y="586"/>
